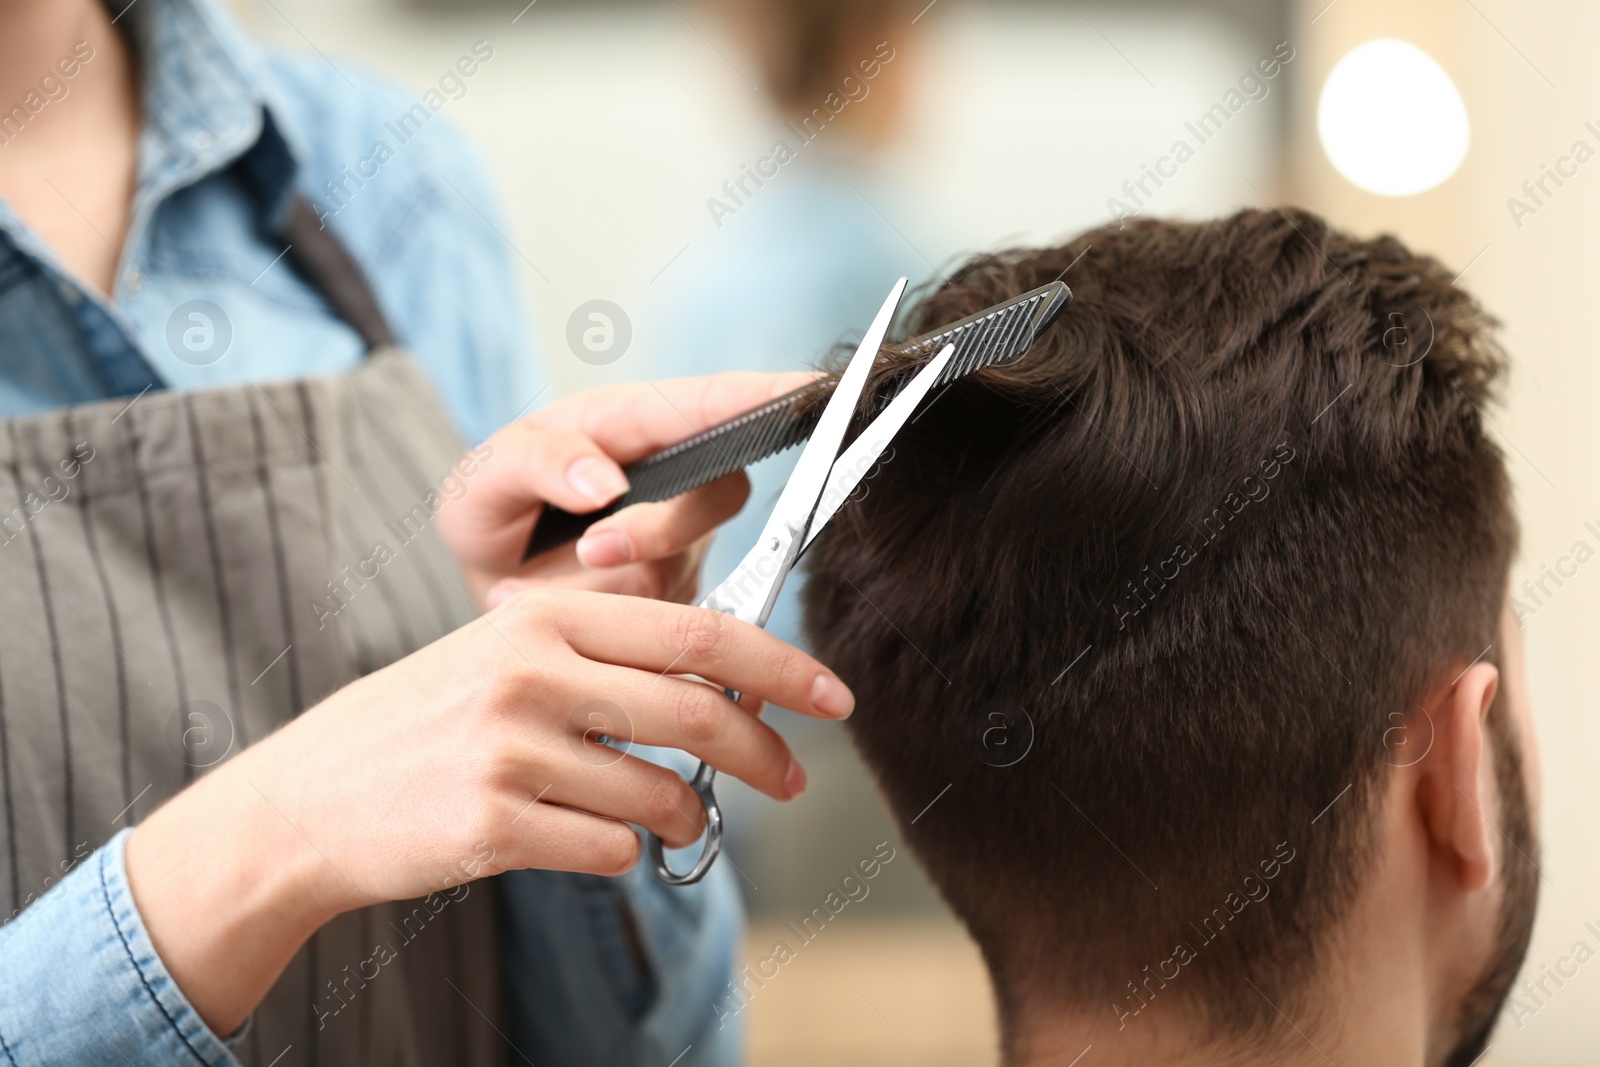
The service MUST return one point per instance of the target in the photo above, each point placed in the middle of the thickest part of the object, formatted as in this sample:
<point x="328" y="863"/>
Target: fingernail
<point x="794" y="783"/>
<point x="596" y="480"/>
<point x="608" y="548"/>
<point x="832" y="697"/>
<point x="499" y="594"/>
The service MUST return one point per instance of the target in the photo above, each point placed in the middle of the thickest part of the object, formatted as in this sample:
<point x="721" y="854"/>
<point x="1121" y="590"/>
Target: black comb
<point x="996" y="336"/>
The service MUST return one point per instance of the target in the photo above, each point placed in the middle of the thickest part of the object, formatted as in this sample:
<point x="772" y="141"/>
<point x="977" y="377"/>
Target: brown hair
<point x="1191" y="559"/>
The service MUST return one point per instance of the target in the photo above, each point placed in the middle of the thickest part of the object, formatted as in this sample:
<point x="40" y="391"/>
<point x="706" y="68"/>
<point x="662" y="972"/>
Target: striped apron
<point x="183" y="574"/>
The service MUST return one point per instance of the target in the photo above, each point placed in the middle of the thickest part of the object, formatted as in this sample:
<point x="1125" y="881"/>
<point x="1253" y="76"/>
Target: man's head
<point x="1198" y="611"/>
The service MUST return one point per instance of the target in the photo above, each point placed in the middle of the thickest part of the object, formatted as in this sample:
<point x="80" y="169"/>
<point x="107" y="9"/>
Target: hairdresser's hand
<point x="474" y="755"/>
<point x="571" y="454"/>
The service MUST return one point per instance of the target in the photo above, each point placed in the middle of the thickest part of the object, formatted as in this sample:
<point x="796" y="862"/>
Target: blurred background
<point x="635" y="149"/>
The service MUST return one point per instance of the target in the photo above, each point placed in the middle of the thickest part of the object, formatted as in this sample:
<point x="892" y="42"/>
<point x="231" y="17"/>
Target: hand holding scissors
<point x="822" y="480"/>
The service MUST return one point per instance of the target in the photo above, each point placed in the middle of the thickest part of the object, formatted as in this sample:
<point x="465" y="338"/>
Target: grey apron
<point x="181" y="576"/>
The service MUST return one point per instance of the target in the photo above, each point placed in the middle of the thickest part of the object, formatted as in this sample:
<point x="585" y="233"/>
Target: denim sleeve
<point x="82" y="983"/>
<point x="623" y="971"/>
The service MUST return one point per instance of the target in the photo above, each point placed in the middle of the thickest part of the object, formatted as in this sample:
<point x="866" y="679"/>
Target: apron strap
<point x="330" y="268"/>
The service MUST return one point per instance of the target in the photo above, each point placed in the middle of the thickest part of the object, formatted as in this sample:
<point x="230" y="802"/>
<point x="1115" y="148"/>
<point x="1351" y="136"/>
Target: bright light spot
<point x="1391" y="119"/>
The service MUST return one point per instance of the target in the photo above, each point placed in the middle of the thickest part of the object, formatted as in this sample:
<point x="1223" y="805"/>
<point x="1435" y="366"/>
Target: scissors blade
<point x="799" y="498"/>
<point x="749" y="592"/>
<point x="862" y="455"/>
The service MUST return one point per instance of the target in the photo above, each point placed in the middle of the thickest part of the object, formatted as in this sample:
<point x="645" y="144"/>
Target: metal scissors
<point x="822" y="480"/>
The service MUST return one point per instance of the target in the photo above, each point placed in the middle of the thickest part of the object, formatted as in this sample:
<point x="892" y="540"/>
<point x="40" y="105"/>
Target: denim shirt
<point x="619" y="971"/>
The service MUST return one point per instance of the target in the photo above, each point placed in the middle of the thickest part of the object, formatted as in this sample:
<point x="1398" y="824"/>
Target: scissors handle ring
<point x="701" y="784"/>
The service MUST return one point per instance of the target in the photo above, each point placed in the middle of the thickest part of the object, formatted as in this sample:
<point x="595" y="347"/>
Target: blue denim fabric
<point x="230" y="130"/>
<point x="82" y="983"/>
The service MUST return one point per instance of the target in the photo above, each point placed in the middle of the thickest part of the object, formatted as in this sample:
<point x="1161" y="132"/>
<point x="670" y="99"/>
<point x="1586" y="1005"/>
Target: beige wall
<point x="1529" y="79"/>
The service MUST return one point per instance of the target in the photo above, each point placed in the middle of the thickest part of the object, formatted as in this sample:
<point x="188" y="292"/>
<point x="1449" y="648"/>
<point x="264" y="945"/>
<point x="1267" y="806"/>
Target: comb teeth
<point x="989" y="338"/>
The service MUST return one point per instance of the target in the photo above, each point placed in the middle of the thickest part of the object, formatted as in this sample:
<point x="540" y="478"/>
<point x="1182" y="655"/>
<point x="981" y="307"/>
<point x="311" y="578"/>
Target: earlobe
<point x="1470" y="829"/>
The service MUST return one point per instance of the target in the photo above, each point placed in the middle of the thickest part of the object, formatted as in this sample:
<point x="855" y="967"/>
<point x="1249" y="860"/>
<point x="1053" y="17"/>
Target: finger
<point x="570" y="454"/>
<point x="523" y="467"/>
<point x="656" y="531"/>
<point x="650" y="635"/>
<point x="697" y="718"/>
<point x="635" y="418"/>
<point x="534" y="462"/>
<point x="618" y="786"/>
<point x="672" y="579"/>
<point x="553" y="838"/>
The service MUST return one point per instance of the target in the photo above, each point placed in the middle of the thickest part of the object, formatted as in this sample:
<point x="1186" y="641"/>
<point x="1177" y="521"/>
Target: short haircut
<point x="1198" y="556"/>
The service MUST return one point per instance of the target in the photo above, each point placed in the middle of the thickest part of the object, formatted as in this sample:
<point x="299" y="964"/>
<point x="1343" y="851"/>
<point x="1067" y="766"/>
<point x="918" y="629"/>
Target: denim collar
<point x="209" y="102"/>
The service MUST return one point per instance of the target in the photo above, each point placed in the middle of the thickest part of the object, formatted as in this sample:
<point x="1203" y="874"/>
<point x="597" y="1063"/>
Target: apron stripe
<point x="396" y="610"/>
<point x="114" y="617"/>
<point x="153" y="564"/>
<point x="359" y="458"/>
<point x="11" y="818"/>
<point x="318" y="463"/>
<point x="55" y="639"/>
<point x="275" y="536"/>
<point x="225" y="618"/>
<point x="419" y="486"/>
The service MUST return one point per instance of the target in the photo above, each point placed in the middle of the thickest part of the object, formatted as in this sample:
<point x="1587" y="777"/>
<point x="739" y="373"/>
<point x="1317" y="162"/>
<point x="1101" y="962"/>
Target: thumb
<point x="527" y="466"/>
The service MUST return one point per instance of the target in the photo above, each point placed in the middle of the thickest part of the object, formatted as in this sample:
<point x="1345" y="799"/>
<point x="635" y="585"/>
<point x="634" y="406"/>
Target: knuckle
<point x="538" y="606"/>
<point x="506" y="693"/>
<point x="699" y="713"/>
<point x="699" y="634"/>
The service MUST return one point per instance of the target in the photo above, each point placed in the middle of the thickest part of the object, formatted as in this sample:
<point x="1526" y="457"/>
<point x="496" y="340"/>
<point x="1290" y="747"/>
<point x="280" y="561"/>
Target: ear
<point x="1456" y="800"/>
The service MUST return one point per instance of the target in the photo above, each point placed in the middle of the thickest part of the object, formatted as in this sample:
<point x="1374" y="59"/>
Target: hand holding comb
<point x="989" y="338"/>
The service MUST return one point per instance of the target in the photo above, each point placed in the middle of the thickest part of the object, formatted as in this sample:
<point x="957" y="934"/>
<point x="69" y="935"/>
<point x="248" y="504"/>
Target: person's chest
<point x="203" y="296"/>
